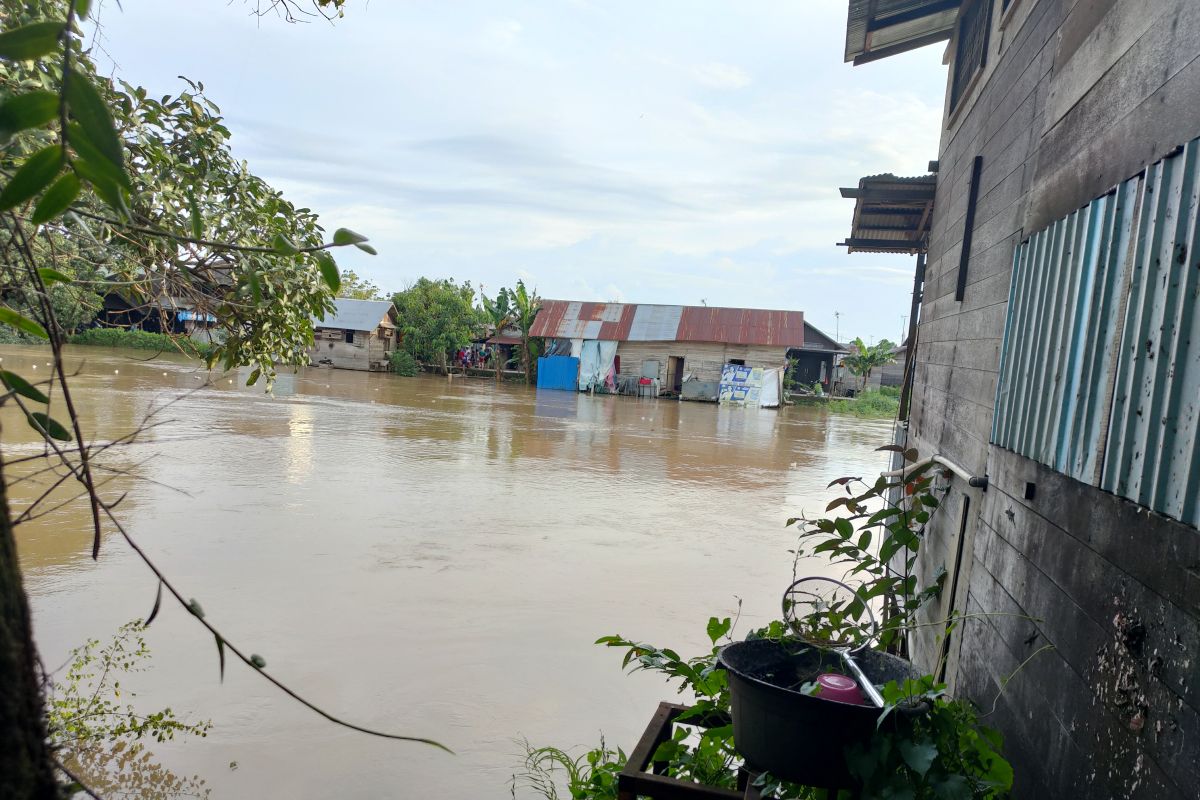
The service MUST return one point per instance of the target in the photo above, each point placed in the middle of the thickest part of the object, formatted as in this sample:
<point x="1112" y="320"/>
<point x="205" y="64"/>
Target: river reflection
<point x="427" y="556"/>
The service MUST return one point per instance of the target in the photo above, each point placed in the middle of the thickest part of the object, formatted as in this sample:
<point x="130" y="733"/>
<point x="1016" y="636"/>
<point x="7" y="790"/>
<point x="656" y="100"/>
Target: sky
<point x="660" y="152"/>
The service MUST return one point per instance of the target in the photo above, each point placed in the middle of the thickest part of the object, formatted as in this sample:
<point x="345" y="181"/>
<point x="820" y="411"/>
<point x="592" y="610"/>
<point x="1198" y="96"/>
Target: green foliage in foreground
<point x="99" y="734"/>
<point x="872" y="404"/>
<point x="942" y="754"/>
<point x="403" y="364"/>
<point x="142" y="340"/>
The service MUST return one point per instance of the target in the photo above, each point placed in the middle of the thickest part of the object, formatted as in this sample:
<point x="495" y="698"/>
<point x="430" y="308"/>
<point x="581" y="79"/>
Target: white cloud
<point x="716" y="75"/>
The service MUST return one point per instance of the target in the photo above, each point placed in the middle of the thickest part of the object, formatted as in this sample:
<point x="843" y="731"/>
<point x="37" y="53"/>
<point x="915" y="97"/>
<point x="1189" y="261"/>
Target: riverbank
<point x="883" y="403"/>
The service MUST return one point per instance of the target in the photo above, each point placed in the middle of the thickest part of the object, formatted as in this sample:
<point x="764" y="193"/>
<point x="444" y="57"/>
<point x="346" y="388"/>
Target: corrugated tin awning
<point x="891" y="214"/>
<point x="880" y="28"/>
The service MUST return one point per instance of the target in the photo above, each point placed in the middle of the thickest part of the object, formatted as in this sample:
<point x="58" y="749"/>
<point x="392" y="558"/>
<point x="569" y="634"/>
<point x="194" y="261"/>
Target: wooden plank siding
<point x="1076" y="97"/>
<point x="703" y="359"/>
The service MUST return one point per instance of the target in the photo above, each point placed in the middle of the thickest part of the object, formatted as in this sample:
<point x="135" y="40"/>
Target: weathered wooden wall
<point x="369" y="350"/>
<point x="703" y="359"/>
<point x="1077" y="95"/>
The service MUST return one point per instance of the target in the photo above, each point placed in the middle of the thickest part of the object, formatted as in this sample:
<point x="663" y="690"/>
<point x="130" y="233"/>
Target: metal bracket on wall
<point x="974" y="481"/>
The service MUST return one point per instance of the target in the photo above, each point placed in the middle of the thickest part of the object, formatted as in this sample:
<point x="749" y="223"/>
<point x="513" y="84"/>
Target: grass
<point x="141" y="340"/>
<point x="882" y="403"/>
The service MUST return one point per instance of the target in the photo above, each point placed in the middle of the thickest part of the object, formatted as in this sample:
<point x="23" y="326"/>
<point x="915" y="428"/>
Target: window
<point x="349" y="337"/>
<point x="1101" y="359"/>
<point x="970" y="54"/>
<point x="741" y="362"/>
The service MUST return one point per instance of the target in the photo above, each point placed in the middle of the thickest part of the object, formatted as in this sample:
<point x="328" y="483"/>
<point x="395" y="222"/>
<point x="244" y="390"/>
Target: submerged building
<point x="1056" y="359"/>
<point x="683" y="351"/>
<point x="359" y="334"/>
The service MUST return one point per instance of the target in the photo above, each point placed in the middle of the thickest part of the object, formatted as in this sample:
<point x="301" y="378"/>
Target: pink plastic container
<point x="840" y="688"/>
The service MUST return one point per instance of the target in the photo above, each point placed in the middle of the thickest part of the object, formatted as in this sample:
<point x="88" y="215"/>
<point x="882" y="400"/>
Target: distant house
<point x="893" y="374"/>
<point x="359" y="334"/>
<point x="814" y="362"/>
<point x="162" y="304"/>
<point x="682" y="350"/>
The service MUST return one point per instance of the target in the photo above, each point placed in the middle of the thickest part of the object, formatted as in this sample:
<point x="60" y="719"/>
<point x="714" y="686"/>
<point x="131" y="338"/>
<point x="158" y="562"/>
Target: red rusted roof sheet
<point x="741" y="326"/>
<point x="563" y="319"/>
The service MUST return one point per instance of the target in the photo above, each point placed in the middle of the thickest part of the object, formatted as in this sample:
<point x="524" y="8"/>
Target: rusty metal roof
<point x="620" y="322"/>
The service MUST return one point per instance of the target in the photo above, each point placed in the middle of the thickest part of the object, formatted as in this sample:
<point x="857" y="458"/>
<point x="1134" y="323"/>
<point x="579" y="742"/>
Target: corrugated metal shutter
<point x="1153" y="456"/>
<point x="1100" y="366"/>
<point x="1060" y="336"/>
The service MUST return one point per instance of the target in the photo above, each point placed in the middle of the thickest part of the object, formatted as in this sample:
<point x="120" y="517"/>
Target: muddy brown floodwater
<point x="421" y="556"/>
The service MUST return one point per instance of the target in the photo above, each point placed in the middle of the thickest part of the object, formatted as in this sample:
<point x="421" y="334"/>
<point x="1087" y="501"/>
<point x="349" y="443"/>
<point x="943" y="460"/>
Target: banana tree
<point x="525" y="306"/>
<point x="499" y="314"/>
<point x="863" y="359"/>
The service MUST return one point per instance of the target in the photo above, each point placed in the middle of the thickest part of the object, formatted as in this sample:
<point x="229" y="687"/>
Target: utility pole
<point x="837" y="329"/>
<point x="903" y="319"/>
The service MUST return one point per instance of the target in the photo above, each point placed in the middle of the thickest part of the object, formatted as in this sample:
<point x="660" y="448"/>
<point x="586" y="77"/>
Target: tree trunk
<point x="26" y="770"/>
<point x="525" y="357"/>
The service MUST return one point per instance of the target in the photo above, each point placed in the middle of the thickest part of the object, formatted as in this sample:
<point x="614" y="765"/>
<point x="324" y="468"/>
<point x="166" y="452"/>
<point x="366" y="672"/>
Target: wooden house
<point x="683" y="349"/>
<point x="359" y="334"/>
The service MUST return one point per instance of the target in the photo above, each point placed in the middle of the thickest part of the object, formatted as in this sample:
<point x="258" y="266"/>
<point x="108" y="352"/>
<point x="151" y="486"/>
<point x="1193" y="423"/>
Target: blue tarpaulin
<point x="558" y="372"/>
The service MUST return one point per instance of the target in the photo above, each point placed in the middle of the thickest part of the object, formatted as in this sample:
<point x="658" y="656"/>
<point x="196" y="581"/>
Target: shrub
<point x="141" y="340"/>
<point x="873" y="404"/>
<point x="404" y="364"/>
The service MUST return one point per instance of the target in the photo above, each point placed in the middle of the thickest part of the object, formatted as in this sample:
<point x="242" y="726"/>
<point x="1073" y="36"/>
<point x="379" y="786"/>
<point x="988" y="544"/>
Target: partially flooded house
<point x="681" y="350"/>
<point x="1055" y="375"/>
<point x="359" y="334"/>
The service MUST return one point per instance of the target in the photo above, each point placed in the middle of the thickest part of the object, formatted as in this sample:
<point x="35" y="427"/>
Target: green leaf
<point x="718" y="628"/>
<point x="82" y="7"/>
<point x="221" y="655"/>
<point x="22" y="323"/>
<point x="366" y="248"/>
<point x="345" y="236"/>
<point x="329" y="271"/>
<point x="258" y="661"/>
<point x="33" y="176"/>
<point x="864" y="540"/>
<point x="918" y="755"/>
<point x="194" y="607"/>
<point x="48" y="426"/>
<point x="254" y="376"/>
<point x="97" y="161"/>
<point x="843" y="527"/>
<point x="30" y="41"/>
<point x="57" y="199"/>
<point x="50" y="275"/>
<point x="29" y="110"/>
<point x="110" y="190"/>
<point x="284" y="246"/>
<point x="19" y="385"/>
<point x="194" y="213"/>
<point x="95" y="121"/>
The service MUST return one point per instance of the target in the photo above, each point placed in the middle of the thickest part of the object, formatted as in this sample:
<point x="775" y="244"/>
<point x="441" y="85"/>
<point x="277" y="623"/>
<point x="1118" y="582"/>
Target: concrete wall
<point x="1077" y="96"/>
<point x="371" y="350"/>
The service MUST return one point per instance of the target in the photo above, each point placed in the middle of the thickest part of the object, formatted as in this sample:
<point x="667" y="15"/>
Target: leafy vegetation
<point x="863" y="360"/>
<point x="943" y="753"/>
<point x="436" y="317"/>
<point x="403" y="364"/>
<point x="525" y="307"/>
<point x="106" y="186"/>
<point x="142" y="340"/>
<point x="356" y="288"/>
<point x="100" y="735"/>
<point x="590" y="776"/>
<point x="879" y="403"/>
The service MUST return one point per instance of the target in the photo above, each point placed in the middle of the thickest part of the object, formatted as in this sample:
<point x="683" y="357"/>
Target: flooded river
<point x="421" y="556"/>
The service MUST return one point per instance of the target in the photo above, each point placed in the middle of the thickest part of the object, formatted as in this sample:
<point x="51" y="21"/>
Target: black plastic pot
<point x="793" y="735"/>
